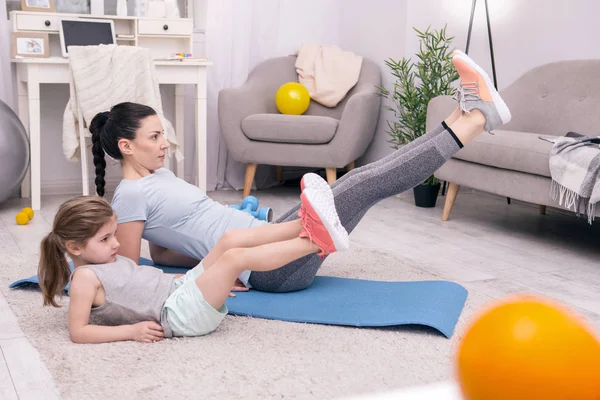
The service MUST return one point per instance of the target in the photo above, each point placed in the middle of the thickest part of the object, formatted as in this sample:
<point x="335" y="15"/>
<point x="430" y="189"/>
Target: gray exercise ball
<point x="14" y="151"/>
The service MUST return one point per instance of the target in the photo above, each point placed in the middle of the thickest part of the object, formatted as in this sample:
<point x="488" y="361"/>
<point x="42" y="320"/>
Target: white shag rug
<point x="245" y="357"/>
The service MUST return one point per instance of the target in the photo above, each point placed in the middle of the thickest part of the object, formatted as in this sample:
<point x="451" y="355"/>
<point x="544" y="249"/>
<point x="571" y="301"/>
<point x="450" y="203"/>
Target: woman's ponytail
<point x="97" y="129"/>
<point x="53" y="270"/>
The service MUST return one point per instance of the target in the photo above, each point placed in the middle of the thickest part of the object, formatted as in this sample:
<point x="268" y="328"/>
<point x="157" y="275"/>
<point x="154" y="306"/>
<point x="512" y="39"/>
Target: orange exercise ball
<point x="526" y="348"/>
<point x="292" y="98"/>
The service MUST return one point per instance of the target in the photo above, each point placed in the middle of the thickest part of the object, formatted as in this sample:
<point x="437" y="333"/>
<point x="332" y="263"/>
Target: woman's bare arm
<point x="129" y="235"/>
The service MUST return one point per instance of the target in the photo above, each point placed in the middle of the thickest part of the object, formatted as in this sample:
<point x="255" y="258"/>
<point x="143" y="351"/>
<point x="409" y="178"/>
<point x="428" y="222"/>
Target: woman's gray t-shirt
<point x="178" y="216"/>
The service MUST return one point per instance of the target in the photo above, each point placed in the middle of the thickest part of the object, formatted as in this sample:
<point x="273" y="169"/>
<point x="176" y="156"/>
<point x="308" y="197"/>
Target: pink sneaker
<point x="478" y="92"/>
<point x="321" y="222"/>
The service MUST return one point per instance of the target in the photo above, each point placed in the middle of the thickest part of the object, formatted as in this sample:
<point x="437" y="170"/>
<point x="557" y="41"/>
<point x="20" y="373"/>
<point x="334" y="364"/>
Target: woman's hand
<point x="147" y="332"/>
<point x="238" y="286"/>
<point x="168" y="257"/>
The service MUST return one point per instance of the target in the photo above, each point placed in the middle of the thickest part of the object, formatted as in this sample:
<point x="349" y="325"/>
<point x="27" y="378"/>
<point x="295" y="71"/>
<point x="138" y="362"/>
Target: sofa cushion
<point x="517" y="151"/>
<point x="283" y="128"/>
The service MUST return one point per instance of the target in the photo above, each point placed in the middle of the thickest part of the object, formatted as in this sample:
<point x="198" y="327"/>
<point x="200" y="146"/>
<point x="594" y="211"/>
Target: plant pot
<point x="426" y="195"/>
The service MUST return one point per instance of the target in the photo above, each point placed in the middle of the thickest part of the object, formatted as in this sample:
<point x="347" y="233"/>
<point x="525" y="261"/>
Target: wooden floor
<point x="487" y="246"/>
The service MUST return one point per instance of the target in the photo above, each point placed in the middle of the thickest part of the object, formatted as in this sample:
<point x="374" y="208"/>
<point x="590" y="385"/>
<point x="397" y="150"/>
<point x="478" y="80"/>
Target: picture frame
<point x="38" y="5"/>
<point x="30" y="44"/>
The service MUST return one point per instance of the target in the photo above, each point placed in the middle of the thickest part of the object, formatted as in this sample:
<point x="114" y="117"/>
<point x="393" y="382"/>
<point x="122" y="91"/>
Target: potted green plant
<point x="416" y="84"/>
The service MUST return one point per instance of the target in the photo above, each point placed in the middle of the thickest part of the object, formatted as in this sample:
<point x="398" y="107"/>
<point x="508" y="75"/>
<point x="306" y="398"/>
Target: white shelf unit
<point x="163" y="36"/>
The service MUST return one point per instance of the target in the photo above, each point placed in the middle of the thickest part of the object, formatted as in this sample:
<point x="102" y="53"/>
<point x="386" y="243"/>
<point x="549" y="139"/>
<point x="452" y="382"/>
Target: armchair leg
<point x="450" y="198"/>
<point x="278" y="173"/>
<point x="542" y="210"/>
<point x="250" y="171"/>
<point x="331" y="175"/>
<point x="350" y="166"/>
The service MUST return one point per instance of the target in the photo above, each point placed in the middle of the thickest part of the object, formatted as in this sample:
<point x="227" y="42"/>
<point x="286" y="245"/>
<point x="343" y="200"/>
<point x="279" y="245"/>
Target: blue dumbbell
<point x="250" y="206"/>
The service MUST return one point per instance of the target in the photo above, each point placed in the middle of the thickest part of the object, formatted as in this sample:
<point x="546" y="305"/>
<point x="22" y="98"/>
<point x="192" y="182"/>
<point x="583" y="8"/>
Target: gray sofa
<point x="256" y="133"/>
<point x="552" y="99"/>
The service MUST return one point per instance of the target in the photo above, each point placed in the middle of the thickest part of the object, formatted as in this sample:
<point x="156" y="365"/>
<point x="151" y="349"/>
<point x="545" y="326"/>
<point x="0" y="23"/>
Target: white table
<point x="32" y="72"/>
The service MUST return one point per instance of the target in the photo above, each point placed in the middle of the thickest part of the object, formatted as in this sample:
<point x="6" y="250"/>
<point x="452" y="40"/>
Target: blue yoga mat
<point x="348" y="302"/>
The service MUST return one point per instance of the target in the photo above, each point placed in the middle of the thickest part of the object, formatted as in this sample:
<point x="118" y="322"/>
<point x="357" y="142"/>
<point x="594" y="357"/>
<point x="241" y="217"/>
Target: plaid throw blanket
<point x="575" y="170"/>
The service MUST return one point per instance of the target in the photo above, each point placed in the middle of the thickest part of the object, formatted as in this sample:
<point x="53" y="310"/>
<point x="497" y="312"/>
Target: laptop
<point x="85" y="32"/>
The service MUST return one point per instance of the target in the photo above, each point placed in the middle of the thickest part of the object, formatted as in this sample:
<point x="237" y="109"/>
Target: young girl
<point x="132" y="302"/>
<point x="182" y="224"/>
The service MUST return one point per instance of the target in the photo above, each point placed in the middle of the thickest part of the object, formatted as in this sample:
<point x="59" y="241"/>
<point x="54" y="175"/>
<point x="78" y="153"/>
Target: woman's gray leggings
<point x="359" y="190"/>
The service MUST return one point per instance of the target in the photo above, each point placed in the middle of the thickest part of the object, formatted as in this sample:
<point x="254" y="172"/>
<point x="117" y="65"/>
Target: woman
<point x="182" y="223"/>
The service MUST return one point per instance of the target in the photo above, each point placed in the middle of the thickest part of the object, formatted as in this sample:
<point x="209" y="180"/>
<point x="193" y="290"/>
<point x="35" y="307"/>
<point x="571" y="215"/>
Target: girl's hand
<point x="147" y="332"/>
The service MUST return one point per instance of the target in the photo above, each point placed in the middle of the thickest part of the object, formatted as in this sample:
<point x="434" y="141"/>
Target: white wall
<point x="525" y="33"/>
<point x="315" y="21"/>
<point x="378" y="33"/>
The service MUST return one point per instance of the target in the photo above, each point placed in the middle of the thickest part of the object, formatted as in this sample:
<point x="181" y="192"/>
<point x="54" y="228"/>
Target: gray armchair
<point x="256" y="133"/>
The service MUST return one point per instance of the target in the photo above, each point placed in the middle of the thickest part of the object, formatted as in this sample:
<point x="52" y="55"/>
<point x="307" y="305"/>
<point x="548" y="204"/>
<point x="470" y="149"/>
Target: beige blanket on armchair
<point x="327" y="72"/>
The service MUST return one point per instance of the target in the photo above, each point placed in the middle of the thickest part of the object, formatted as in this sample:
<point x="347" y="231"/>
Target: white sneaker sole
<point x="500" y="105"/>
<point x="327" y="213"/>
<point x="312" y="180"/>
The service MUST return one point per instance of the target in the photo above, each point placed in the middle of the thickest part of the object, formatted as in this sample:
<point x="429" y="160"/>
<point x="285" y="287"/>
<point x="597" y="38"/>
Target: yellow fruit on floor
<point x="22" y="218"/>
<point x="29" y="212"/>
<point x="527" y="348"/>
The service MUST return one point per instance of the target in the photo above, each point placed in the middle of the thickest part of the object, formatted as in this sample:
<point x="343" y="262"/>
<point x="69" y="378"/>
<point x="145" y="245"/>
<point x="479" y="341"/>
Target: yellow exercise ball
<point x="292" y="98"/>
<point x="22" y="218"/>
